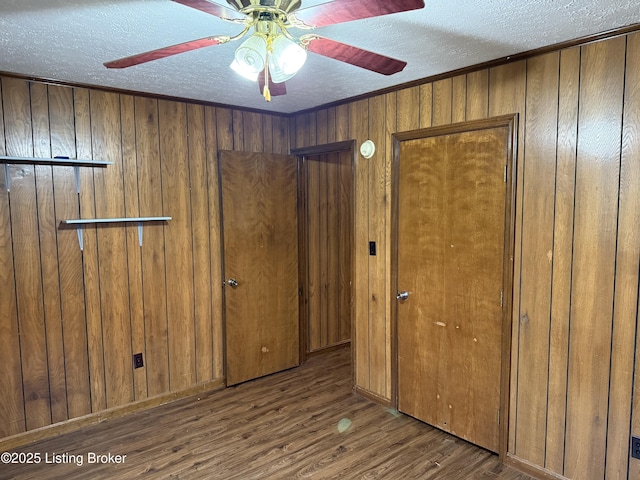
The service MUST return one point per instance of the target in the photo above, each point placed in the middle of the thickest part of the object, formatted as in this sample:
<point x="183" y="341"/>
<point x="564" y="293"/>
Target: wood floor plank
<point x="278" y="427"/>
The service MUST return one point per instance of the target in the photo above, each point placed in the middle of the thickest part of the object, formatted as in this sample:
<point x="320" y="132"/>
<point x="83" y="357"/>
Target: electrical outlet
<point x="137" y="361"/>
<point x="635" y="447"/>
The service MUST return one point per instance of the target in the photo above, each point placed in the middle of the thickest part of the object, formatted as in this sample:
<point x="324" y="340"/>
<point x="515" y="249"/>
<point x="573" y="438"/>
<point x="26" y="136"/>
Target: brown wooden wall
<point x="577" y="242"/>
<point x="329" y="221"/>
<point x="70" y="320"/>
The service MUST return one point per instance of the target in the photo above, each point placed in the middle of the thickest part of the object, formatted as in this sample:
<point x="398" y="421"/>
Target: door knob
<point x="232" y="282"/>
<point x="402" y="295"/>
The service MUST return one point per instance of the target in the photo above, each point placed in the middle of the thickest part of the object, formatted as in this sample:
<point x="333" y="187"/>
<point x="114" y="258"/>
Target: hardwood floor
<point x="302" y="423"/>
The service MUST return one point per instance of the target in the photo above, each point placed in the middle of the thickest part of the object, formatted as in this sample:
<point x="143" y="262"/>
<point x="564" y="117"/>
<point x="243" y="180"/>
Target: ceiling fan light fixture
<point x="287" y="57"/>
<point x="248" y="74"/>
<point x="250" y="57"/>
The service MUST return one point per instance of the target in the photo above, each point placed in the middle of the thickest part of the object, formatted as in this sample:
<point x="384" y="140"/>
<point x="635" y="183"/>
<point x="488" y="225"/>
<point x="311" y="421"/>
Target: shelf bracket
<point x="76" y="173"/>
<point x="7" y="179"/>
<point x="80" y="242"/>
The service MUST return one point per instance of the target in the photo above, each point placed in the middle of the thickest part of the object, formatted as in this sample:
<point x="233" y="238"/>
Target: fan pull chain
<point x="266" y="93"/>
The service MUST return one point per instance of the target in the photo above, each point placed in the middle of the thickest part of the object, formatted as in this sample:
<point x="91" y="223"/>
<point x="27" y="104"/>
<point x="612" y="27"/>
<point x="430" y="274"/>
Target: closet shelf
<point x="55" y="161"/>
<point x="63" y="161"/>
<point x="79" y="222"/>
<point x="83" y="221"/>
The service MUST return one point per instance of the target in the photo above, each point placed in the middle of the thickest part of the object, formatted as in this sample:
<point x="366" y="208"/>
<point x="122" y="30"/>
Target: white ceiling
<point x="69" y="40"/>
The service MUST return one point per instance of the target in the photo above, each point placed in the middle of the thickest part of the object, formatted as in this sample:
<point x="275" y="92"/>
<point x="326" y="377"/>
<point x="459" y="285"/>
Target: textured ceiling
<point x="68" y="41"/>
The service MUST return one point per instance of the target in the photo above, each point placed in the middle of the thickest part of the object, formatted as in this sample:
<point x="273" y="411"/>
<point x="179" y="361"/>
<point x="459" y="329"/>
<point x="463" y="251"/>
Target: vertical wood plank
<point x="323" y="248"/>
<point x="442" y="102"/>
<point x="150" y="190"/>
<point x="459" y="99"/>
<point x="238" y="129"/>
<point x="252" y="132"/>
<point x="562" y="257"/>
<point x="95" y="350"/>
<point x="358" y="115"/>
<point x="322" y="127"/>
<point x="211" y="130"/>
<point x="377" y="264"/>
<point x="106" y="137"/>
<point x="26" y="253"/>
<point x="345" y="244"/>
<point x="302" y="130"/>
<point x="594" y="247"/>
<point x="48" y="252"/>
<point x="537" y="240"/>
<point x="134" y="255"/>
<point x="313" y="129"/>
<point x="477" y="95"/>
<point x="178" y="243"/>
<point x="281" y="135"/>
<point x="625" y="314"/>
<point x="342" y="123"/>
<point x="314" y="286"/>
<point x="12" y="420"/>
<point x="224" y="127"/>
<point x="426" y="106"/>
<point x="410" y="102"/>
<point x="332" y="129"/>
<point x="507" y="87"/>
<point x="72" y="302"/>
<point x="333" y="221"/>
<point x="267" y="133"/>
<point x="201" y="243"/>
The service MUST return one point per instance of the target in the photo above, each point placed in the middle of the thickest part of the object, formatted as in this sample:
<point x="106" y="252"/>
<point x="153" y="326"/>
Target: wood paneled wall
<point x="70" y="320"/>
<point x="329" y="223"/>
<point x="577" y="242"/>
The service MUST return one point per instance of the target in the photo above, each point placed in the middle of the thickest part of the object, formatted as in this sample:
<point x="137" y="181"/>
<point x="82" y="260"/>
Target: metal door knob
<point x="232" y="282"/>
<point x="402" y="295"/>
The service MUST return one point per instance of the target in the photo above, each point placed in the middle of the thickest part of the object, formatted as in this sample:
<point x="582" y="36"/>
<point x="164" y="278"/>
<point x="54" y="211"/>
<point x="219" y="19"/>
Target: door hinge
<point x="498" y="416"/>
<point x="505" y="174"/>
<point x="501" y="298"/>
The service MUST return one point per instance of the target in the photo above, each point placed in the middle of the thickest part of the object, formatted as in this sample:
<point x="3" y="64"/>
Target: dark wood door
<point x="452" y="204"/>
<point x="260" y="242"/>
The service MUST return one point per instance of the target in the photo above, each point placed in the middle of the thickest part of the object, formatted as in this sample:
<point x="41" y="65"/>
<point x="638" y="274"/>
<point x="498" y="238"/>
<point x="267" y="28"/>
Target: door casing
<point x="511" y="122"/>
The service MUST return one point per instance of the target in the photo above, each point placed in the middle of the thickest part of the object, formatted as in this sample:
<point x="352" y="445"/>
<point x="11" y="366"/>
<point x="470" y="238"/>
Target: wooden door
<point x="328" y="228"/>
<point x="260" y="243"/>
<point x="453" y="224"/>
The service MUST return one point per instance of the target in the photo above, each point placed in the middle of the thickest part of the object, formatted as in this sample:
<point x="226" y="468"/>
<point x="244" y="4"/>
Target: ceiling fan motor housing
<point x="287" y="6"/>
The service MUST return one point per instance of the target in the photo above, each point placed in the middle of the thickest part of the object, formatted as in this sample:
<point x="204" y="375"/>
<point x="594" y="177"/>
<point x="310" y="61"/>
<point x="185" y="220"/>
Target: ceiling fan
<point x="271" y="54"/>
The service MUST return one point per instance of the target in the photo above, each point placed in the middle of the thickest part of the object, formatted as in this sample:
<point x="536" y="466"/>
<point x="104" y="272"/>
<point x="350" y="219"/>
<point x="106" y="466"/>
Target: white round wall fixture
<point x="367" y="149"/>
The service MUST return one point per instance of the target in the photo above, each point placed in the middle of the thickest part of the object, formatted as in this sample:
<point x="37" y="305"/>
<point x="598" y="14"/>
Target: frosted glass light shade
<point x="251" y="75"/>
<point x="286" y="59"/>
<point x="250" y="56"/>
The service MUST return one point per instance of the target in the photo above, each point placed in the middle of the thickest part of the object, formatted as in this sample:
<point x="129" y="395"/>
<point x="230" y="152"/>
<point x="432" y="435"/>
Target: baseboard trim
<point x="531" y="469"/>
<point x="43" y="433"/>
<point x="372" y="396"/>
<point x="330" y="348"/>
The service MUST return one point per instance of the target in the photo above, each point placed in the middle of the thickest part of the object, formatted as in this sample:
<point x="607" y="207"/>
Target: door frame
<point x="301" y="154"/>
<point x="511" y="122"/>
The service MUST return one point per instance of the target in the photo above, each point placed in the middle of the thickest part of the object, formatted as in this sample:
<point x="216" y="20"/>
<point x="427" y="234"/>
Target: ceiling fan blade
<point x="164" y="52"/>
<point x="213" y="9"/>
<point x="354" y="55"/>
<point x="276" y="89"/>
<point x="339" y="11"/>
